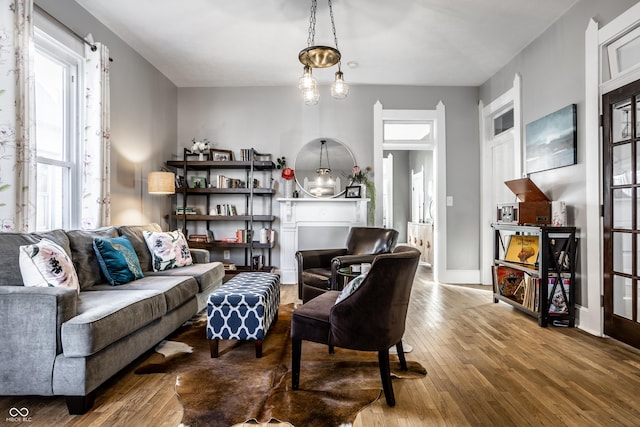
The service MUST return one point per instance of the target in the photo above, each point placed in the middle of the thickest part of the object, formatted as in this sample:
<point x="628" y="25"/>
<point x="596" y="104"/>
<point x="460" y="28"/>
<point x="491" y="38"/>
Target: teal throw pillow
<point x="118" y="260"/>
<point x="351" y="287"/>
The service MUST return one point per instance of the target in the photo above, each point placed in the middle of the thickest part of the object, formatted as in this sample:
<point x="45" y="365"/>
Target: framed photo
<point x="551" y="141"/>
<point x="353" y="192"/>
<point x="220" y="155"/>
<point x="198" y="182"/>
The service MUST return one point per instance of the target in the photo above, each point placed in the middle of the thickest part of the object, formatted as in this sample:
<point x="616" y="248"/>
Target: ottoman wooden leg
<point x="258" y="349"/>
<point x="213" y="348"/>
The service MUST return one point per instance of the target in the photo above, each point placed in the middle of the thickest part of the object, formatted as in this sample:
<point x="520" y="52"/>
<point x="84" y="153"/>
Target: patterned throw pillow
<point x="46" y="264"/>
<point x="168" y="249"/>
<point x="351" y="287"/>
<point x="118" y="260"/>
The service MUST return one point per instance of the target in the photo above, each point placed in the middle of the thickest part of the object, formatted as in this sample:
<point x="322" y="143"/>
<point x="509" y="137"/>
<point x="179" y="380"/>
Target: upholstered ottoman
<point x="243" y="309"/>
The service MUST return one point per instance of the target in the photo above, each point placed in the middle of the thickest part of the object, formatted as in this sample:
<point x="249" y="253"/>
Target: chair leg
<point x="385" y="376"/>
<point x="258" y="349"/>
<point x="296" y="353"/>
<point x="331" y="349"/>
<point x="403" y="360"/>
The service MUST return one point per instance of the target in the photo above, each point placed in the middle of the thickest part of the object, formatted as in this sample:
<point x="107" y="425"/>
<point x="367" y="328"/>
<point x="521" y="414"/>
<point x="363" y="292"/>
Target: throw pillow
<point x="46" y="264"/>
<point x="351" y="287"/>
<point x="168" y="249"/>
<point x="118" y="260"/>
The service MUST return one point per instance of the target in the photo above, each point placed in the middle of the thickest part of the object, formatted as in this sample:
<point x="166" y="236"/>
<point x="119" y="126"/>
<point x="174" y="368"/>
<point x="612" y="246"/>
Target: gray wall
<point x="553" y="76"/>
<point x="143" y="119"/>
<point x="274" y="120"/>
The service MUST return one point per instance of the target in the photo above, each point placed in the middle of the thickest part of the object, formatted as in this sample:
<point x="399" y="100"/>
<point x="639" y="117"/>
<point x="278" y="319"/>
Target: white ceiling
<point x="256" y="42"/>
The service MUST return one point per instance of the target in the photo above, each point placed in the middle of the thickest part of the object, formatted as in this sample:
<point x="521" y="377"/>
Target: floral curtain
<point x="17" y="118"/>
<point x="96" y="195"/>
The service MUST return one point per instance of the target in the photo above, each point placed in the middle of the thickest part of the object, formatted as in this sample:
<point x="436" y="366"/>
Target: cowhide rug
<point x="238" y="387"/>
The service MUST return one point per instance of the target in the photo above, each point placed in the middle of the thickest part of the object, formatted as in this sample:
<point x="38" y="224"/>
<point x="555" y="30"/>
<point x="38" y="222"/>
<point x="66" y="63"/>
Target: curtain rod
<point x="76" y="35"/>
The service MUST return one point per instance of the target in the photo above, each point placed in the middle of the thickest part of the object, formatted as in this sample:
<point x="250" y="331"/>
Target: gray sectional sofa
<point x="58" y="341"/>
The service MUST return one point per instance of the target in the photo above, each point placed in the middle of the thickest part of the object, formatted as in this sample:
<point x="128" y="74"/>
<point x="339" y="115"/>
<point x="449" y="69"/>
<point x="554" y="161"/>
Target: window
<point x="58" y="72"/>
<point x="503" y="122"/>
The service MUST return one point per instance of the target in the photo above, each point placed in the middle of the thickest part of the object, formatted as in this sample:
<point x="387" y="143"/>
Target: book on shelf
<point x="198" y="238"/>
<point x="223" y="181"/>
<point x="243" y="236"/>
<point x="225" y="210"/>
<point x="246" y="154"/>
<point x="188" y="211"/>
<point x="523" y="249"/>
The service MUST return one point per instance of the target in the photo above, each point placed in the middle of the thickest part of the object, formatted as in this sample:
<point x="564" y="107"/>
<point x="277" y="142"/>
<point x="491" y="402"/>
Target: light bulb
<point x="307" y="81"/>
<point x="339" y="89"/>
<point x="310" y="96"/>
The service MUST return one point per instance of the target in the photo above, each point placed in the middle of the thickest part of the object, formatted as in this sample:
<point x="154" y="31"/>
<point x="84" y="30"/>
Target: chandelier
<point x="314" y="56"/>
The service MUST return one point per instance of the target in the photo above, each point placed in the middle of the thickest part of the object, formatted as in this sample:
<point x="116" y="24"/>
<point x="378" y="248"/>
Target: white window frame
<point x="73" y="62"/>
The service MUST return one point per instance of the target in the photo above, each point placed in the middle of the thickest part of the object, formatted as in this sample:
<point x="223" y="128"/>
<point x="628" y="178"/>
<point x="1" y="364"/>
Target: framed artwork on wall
<point x="551" y="141"/>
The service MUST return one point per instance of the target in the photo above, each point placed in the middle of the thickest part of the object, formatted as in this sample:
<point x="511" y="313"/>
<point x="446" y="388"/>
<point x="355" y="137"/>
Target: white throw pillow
<point x="46" y="264"/>
<point x="351" y="287"/>
<point x="168" y="249"/>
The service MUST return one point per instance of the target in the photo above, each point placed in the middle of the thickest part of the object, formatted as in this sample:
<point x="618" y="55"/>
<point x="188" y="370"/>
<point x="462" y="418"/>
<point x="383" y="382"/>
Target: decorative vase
<point x="288" y="188"/>
<point x="201" y="156"/>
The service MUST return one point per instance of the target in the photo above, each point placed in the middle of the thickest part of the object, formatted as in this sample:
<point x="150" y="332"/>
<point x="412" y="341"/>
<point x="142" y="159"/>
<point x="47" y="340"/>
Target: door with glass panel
<point x="621" y="157"/>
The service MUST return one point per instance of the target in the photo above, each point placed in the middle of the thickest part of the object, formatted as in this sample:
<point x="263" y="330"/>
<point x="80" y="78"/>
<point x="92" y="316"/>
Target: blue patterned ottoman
<point x="243" y="309"/>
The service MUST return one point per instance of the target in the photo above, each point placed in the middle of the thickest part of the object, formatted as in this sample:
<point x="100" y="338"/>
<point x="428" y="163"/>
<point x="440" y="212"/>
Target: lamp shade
<point x="161" y="183"/>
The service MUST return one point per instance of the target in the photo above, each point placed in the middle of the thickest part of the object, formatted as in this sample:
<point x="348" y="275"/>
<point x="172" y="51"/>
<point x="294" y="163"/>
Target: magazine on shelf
<point x="558" y="296"/>
<point x="507" y="281"/>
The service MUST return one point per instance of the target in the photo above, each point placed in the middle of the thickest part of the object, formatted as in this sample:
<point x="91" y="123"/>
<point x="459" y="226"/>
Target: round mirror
<point x="322" y="167"/>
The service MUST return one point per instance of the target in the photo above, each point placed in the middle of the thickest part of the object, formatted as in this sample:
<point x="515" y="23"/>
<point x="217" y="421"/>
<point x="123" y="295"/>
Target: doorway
<point x="416" y="122"/>
<point x="621" y="166"/>
<point x="500" y="142"/>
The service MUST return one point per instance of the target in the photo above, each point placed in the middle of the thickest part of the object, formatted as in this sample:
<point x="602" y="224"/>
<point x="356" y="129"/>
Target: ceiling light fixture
<point x="314" y="56"/>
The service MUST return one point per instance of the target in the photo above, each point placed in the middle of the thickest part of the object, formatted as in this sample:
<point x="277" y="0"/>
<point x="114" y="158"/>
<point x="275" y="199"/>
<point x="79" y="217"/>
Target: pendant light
<point x="317" y="56"/>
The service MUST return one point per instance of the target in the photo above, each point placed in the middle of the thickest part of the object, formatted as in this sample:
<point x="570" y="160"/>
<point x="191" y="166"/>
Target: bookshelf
<point x="541" y="285"/>
<point x="219" y="205"/>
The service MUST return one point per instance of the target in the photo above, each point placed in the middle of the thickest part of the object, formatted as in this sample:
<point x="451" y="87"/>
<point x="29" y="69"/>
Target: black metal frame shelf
<point x="554" y="261"/>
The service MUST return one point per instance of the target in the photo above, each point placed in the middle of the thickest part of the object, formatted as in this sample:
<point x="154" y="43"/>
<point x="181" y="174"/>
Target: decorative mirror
<point x="322" y="167"/>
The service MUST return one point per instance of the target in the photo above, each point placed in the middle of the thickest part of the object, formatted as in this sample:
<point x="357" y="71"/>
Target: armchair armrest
<point x="31" y="319"/>
<point x="200" y="256"/>
<point x="345" y="261"/>
<point x="315" y="258"/>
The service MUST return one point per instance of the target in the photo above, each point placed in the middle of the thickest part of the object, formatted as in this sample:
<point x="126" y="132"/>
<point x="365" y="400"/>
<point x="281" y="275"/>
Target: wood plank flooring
<point x="488" y="365"/>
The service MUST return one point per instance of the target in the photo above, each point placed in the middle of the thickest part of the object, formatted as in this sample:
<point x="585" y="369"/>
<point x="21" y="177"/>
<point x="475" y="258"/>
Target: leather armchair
<point x="318" y="268"/>
<point x="372" y="318"/>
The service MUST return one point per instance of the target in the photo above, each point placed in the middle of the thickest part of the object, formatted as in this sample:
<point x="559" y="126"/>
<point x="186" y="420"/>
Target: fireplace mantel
<point x="318" y="213"/>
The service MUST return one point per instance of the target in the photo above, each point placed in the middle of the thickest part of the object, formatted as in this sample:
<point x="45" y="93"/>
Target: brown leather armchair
<point x="372" y="318"/>
<point x="318" y="268"/>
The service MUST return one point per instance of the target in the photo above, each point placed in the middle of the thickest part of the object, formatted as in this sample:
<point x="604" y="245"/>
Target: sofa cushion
<point x="134" y="234"/>
<point x="205" y="274"/>
<point x="83" y="256"/>
<point x="177" y="289"/>
<point x="168" y="249"/>
<point x="104" y="317"/>
<point x="118" y="260"/>
<point x="10" y="252"/>
<point x="46" y="264"/>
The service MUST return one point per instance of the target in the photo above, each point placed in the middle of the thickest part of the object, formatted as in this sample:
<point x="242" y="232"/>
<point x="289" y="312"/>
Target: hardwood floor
<point x="488" y="365"/>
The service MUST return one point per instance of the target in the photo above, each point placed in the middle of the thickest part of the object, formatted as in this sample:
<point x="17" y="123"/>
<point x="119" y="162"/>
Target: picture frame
<point x="551" y="141"/>
<point x="353" y="192"/>
<point x="218" y="155"/>
<point x="198" y="182"/>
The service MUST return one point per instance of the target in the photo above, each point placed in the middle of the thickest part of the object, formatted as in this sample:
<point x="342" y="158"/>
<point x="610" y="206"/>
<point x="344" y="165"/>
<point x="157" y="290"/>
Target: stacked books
<point x="187" y="211"/>
<point x="226" y="182"/>
<point x="202" y="238"/>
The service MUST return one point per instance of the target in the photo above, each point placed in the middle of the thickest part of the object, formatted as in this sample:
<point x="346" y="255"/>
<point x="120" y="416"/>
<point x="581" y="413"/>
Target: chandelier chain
<point x="312" y="24"/>
<point x="333" y="25"/>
